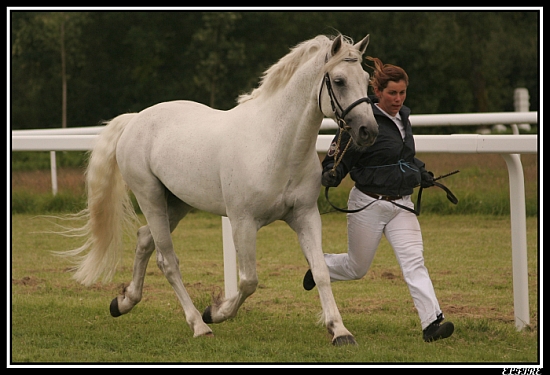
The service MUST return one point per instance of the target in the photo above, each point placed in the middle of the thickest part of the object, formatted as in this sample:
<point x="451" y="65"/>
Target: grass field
<point x="55" y="321"/>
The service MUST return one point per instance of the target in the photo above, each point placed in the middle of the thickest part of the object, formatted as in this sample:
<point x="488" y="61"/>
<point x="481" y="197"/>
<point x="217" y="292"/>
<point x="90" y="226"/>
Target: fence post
<point x="521" y="104"/>
<point x="53" y="168"/>
<point x="519" y="240"/>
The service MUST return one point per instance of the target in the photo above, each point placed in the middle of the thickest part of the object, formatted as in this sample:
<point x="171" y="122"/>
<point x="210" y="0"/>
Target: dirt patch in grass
<point x="40" y="181"/>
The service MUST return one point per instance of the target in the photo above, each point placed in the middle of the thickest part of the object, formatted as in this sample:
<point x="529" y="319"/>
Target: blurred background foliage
<point x="119" y="61"/>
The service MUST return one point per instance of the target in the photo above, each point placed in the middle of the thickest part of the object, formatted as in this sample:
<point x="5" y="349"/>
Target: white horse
<point x="255" y="163"/>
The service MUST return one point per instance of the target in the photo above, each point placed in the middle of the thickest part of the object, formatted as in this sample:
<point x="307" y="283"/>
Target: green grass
<point x="33" y="160"/>
<point x="54" y="320"/>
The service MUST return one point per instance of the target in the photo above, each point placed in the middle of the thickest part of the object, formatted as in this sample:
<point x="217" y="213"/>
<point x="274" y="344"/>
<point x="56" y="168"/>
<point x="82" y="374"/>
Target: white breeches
<point x="402" y="230"/>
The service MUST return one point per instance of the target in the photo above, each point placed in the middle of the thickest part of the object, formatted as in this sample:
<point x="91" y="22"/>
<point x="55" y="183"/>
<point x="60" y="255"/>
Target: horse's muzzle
<point x="366" y="135"/>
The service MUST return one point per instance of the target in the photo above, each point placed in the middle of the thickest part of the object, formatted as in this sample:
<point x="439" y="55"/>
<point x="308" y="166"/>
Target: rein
<point x="450" y="196"/>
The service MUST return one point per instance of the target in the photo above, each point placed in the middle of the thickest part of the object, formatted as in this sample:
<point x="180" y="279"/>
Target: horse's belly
<point x="197" y="191"/>
<point x="191" y="176"/>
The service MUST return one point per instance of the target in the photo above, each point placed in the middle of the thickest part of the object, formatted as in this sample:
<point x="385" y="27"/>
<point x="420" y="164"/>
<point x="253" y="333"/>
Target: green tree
<point x="55" y="33"/>
<point x="216" y="52"/>
<point x="116" y="62"/>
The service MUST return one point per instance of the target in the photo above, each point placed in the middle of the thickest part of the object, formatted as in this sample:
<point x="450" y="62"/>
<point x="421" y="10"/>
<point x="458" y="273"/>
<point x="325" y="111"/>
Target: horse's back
<point x="176" y="112"/>
<point x="172" y="142"/>
<point x="168" y="122"/>
<point x="179" y="105"/>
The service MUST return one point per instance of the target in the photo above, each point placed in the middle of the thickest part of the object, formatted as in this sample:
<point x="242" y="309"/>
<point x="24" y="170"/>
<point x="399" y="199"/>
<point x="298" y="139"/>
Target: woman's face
<point x="391" y="99"/>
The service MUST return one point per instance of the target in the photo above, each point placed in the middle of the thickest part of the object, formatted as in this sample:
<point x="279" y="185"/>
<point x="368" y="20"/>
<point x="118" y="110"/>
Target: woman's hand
<point x="329" y="180"/>
<point x="427" y="179"/>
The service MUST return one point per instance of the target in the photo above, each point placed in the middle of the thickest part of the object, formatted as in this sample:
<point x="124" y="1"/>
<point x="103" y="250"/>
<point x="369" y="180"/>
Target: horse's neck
<point x="289" y="124"/>
<point x="293" y="113"/>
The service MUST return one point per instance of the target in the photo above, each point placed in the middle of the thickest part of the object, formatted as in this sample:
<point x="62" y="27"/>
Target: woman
<point x="385" y="175"/>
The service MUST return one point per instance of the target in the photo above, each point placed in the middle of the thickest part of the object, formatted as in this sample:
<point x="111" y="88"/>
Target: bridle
<point x="340" y="120"/>
<point x="340" y="117"/>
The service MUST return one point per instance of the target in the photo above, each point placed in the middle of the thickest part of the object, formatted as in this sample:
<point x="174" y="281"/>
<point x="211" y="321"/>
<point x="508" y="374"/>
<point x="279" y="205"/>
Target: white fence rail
<point x="463" y="119"/>
<point x="509" y="146"/>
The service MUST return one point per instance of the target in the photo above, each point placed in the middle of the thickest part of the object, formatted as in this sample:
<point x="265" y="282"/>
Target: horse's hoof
<point x="344" y="340"/>
<point x="113" y="308"/>
<point x="207" y="315"/>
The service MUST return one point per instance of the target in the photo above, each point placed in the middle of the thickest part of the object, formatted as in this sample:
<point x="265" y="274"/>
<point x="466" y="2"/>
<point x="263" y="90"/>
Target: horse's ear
<point x="336" y="45"/>
<point x="362" y="45"/>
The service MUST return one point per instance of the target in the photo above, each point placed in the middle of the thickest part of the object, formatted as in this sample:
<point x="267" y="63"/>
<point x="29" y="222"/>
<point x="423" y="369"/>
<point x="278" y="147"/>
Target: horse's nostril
<point x="367" y="137"/>
<point x="363" y="132"/>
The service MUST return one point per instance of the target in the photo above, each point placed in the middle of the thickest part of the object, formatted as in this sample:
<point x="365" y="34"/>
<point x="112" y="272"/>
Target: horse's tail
<point x="109" y="210"/>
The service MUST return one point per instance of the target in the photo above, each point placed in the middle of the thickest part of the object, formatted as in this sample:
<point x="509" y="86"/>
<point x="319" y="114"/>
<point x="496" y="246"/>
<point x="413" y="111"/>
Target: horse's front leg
<point x="307" y="225"/>
<point x="244" y="237"/>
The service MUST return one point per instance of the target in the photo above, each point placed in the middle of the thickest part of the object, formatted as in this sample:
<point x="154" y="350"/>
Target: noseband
<point x="340" y="117"/>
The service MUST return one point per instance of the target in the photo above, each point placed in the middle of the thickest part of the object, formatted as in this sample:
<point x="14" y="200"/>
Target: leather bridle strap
<point x="340" y="117"/>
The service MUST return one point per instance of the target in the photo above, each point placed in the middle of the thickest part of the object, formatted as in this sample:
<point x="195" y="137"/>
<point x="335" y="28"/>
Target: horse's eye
<point x="339" y="82"/>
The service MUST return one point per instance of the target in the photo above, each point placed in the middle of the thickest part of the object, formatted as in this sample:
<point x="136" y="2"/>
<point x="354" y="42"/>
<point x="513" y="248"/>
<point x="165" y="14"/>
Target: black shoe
<point x="308" y="283"/>
<point x="436" y="330"/>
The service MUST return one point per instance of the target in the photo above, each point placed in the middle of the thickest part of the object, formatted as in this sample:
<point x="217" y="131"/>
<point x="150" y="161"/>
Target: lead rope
<point x="338" y="156"/>
<point x="337" y="159"/>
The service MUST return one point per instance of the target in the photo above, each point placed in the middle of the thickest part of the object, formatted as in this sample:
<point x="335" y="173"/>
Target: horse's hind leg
<point x="244" y="237"/>
<point x="153" y="203"/>
<point x="161" y="222"/>
<point x="132" y="293"/>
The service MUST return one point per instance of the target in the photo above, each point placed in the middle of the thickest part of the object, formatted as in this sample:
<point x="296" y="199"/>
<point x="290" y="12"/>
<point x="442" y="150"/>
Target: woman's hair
<point x="383" y="73"/>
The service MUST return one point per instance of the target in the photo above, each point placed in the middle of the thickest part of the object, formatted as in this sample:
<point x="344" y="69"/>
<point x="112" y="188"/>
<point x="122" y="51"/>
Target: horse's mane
<point x="279" y="74"/>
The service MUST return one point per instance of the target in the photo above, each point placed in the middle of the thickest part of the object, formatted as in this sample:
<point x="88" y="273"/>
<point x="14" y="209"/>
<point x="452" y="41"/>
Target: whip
<point x="446" y="175"/>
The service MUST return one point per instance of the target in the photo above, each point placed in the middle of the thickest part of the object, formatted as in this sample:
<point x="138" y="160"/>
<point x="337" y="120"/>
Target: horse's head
<point x="343" y="93"/>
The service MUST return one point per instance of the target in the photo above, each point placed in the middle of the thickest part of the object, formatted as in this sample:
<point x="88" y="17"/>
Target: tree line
<point x="72" y="68"/>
